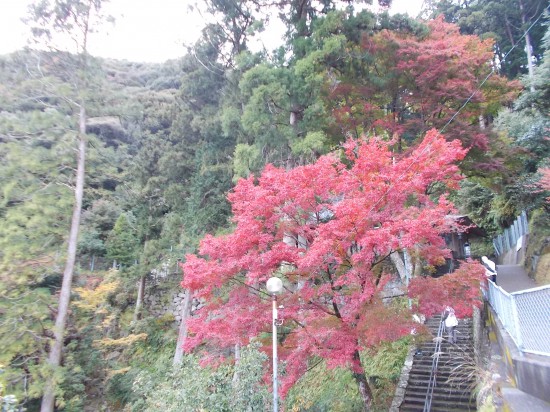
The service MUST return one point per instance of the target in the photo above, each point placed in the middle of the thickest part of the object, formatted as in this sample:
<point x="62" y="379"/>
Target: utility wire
<point x="439" y="132"/>
<point x="491" y="72"/>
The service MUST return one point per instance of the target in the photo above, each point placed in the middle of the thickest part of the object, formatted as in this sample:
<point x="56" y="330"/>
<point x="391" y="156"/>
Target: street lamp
<point x="274" y="286"/>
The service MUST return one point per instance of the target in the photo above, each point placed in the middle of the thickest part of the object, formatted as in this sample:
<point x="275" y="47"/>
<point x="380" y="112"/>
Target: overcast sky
<point x="145" y="30"/>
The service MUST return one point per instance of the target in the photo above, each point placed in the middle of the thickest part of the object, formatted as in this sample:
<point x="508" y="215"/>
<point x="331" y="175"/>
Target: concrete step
<point x="443" y="367"/>
<point x="442" y="386"/>
<point x="448" y="353"/>
<point x="440" y="400"/>
<point x="444" y="360"/>
<point x="449" y="403"/>
<point x="453" y="385"/>
<point x="442" y="373"/>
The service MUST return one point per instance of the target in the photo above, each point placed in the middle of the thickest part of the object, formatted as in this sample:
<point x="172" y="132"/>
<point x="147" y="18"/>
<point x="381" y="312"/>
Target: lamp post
<point x="274" y="286"/>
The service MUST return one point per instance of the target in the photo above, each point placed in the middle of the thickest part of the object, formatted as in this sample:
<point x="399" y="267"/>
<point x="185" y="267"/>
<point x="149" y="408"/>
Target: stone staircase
<point x="454" y="379"/>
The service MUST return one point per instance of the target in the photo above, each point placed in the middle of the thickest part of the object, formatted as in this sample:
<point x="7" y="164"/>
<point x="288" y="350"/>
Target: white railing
<point x="525" y="315"/>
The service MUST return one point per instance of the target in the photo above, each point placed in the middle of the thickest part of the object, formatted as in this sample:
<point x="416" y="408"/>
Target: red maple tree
<point x="327" y="230"/>
<point x="544" y="182"/>
<point x="446" y="69"/>
<point x="412" y="83"/>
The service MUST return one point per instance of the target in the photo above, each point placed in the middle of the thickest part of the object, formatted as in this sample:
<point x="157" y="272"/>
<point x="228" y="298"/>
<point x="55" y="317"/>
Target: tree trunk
<point x="54" y="359"/>
<point x="139" y="300"/>
<point x="182" y="333"/>
<point x="401" y="266"/>
<point x="417" y="271"/>
<point x="236" y="376"/>
<point x="409" y="266"/>
<point x="528" y="48"/>
<point x="362" y="383"/>
<point x="481" y="120"/>
<point x="509" y="32"/>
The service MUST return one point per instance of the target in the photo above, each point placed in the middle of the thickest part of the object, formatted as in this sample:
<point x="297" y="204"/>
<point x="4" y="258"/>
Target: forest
<point x="144" y="206"/>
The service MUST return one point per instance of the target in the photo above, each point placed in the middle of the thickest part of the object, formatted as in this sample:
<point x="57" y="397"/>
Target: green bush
<point x="193" y="387"/>
<point x="333" y="390"/>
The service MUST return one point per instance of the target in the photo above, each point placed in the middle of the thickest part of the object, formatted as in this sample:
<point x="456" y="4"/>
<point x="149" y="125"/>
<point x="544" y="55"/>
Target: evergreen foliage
<point x="122" y="242"/>
<point x="167" y="142"/>
<point x="505" y="21"/>
<point x="195" y="387"/>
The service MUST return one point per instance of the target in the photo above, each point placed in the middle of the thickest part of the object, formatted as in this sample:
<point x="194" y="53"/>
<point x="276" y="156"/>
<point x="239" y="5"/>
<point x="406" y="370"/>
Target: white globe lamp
<point x="274" y="286"/>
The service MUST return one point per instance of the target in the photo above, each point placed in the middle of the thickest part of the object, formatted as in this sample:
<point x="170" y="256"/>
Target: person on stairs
<point x="490" y="269"/>
<point x="451" y="322"/>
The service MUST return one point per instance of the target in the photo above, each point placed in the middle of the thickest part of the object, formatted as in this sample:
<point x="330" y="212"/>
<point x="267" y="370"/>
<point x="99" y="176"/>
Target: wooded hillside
<point x="315" y="141"/>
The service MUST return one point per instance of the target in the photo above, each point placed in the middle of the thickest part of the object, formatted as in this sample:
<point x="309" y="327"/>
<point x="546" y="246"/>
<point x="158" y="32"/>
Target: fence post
<point x="525" y="222"/>
<point x="515" y="319"/>
<point x="510" y="236"/>
<point x="506" y="236"/>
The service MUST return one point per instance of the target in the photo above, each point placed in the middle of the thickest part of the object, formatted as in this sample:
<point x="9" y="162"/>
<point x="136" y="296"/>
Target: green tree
<point x="122" y="243"/>
<point x="193" y="387"/>
<point x="494" y="201"/>
<point x="97" y="222"/>
<point x="527" y="126"/>
<point x="35" y="203"/>
<point x="507" y="22"/>
<point x="71" y="21"/>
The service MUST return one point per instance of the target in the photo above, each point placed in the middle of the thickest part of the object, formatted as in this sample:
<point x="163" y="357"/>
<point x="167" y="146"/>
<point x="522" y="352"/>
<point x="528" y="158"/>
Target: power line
<point x="491" y="73"/>
<point x="439" y="132"/>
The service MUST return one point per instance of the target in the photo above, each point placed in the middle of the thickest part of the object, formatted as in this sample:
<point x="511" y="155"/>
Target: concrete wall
<point x="515" y="256"/>
<point x="529" y="373"/>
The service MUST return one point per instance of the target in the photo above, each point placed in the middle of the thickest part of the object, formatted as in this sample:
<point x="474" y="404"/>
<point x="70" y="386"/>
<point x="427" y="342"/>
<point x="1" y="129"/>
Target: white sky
<point x="144" y="31"/>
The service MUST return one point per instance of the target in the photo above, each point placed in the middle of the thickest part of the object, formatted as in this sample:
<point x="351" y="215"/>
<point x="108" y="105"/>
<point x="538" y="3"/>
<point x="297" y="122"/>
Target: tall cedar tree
<point x="35" y="207"/>
<point x="58" y="24"/>
<point x="325" y="228"/>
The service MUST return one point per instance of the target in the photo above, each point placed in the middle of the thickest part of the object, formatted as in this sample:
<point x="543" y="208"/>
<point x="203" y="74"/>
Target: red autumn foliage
<point x="460" y="290"/>
<point x="544" y="182"/>
<point x="324" y="229"/>
<point x="412" y="83"/>
<point x="446" y="69"/>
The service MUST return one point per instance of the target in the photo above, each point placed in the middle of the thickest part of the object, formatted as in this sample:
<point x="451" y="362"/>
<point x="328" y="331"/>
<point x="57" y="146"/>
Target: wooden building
<point x="459" y="243"/>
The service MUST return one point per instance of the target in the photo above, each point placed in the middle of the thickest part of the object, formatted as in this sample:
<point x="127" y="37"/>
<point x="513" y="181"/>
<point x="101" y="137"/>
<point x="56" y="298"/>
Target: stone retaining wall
<point x="158" y="304"/>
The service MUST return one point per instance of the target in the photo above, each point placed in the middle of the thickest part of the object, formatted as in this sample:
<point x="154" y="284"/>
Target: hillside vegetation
<point x="352" y="142"/>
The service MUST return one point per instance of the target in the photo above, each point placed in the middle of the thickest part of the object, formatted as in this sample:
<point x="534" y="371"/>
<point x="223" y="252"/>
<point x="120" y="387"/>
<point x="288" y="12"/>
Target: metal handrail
<point x="433" y="372"/>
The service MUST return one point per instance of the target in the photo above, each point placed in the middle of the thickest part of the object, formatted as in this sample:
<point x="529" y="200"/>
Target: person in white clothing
<point x="451" y="322"/>
<point x="490" y="269"/>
